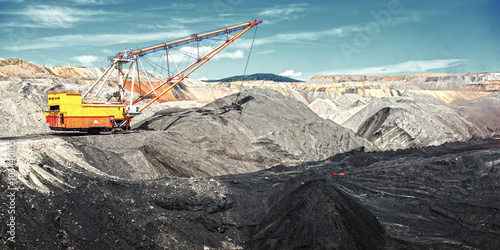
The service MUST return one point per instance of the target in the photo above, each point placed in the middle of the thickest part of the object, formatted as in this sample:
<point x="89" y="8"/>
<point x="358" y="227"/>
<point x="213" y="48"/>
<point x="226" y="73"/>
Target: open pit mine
<point x="337" y="162"/>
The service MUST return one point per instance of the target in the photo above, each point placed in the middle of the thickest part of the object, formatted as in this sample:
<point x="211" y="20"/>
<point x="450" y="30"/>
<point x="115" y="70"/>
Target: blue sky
<point x="297" y="38"/>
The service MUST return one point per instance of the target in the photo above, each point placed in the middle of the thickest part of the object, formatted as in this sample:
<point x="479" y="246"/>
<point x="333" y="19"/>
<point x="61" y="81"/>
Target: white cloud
<point x="291" y="73"/>
<point x="411" y="17"/>
<point x="237" y="54"/>
<point x="47" y="16"/>
<point x="299" y="37"/>
<point x="108" y="51"/>
<point x="265" y="52"/>
<point x="203" y="79"/>
<point x="86" y="60"/>
<point x="99" y="40"/>
<point x="52" y="16"/>
<point x="171" y="6"/>
<point x="412" y="66"/>
<point x="86" y="1"/>
<point x="164" y="25"/>
<point x="312" y="36"/>
<point x="284" y="12"/>
<point x="189" y="20"/>
<point x="192" y="51"/>
<point x="94" y="2"/>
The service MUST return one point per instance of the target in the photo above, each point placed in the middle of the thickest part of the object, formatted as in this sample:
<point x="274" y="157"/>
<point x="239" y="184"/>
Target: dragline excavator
<point x="77" y="111"/>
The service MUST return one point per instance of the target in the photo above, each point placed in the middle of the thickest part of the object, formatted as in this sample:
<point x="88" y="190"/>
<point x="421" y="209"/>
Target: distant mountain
<point x="256" y="77"/>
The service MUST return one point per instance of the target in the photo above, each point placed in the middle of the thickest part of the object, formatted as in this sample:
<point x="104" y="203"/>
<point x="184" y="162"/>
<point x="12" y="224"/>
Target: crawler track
<point x="34" y="137"/>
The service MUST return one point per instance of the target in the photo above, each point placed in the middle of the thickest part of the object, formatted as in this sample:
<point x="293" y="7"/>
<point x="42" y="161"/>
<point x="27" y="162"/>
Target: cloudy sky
<point x="297" y="38"/>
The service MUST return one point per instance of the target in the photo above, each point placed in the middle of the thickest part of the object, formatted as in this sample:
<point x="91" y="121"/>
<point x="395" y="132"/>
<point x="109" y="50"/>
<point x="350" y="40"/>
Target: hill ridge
<point x="256" y="77"/>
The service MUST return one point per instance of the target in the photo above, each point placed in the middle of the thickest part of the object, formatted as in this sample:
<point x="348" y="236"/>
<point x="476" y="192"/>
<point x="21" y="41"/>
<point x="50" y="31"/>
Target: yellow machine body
<point x="68" y="113"/>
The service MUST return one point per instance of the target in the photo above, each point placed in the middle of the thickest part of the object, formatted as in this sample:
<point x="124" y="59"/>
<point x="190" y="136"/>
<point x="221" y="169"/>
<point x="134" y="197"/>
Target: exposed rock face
<point x="449" y="79"/>
<point x="410" y="111"/>
<point x="448" y="88"/>
<point x="14" y="67"/>
<point x="20" y="68"/>
<point x="208" y="92"/>
<point x="179" y="93"/>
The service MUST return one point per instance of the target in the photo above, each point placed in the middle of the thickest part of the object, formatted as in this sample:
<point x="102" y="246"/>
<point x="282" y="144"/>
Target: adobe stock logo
<point x="382" y="19"/>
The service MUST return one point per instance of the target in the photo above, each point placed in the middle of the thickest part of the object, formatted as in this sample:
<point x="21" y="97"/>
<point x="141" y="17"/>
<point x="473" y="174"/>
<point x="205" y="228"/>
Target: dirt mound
<point x="483" y="115"/>
<point x="321" y="214"/>
<point x="442" y="197"/>
<point x="210" y="141"/>
<point x="398" y="123"/>
<point x="271" y="126"/>
<point x="20" y="116"/>
<point x="416" y="120"/>
<point x="229" y="212"/>
<point x="324" y="108"/>
<point x="271" y="129"/>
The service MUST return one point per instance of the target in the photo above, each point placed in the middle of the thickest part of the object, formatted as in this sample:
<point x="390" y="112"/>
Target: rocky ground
<point x="344" y="162"/>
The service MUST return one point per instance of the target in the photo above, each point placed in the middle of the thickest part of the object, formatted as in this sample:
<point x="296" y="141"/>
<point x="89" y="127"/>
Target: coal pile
<point x="276" y="122"/>
<point x="444" y="197"/>
<point x="217" y="139"/>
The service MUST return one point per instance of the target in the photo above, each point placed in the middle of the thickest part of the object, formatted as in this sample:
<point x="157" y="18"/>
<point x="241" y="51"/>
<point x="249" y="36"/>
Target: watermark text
<point x="11" y="165"/>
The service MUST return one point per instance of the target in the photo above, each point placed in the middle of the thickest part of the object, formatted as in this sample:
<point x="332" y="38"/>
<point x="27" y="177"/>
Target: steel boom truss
<point x="133" y="58"/>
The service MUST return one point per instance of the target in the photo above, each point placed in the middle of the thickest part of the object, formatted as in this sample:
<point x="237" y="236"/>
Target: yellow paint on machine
<point x="67" y="112"/>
